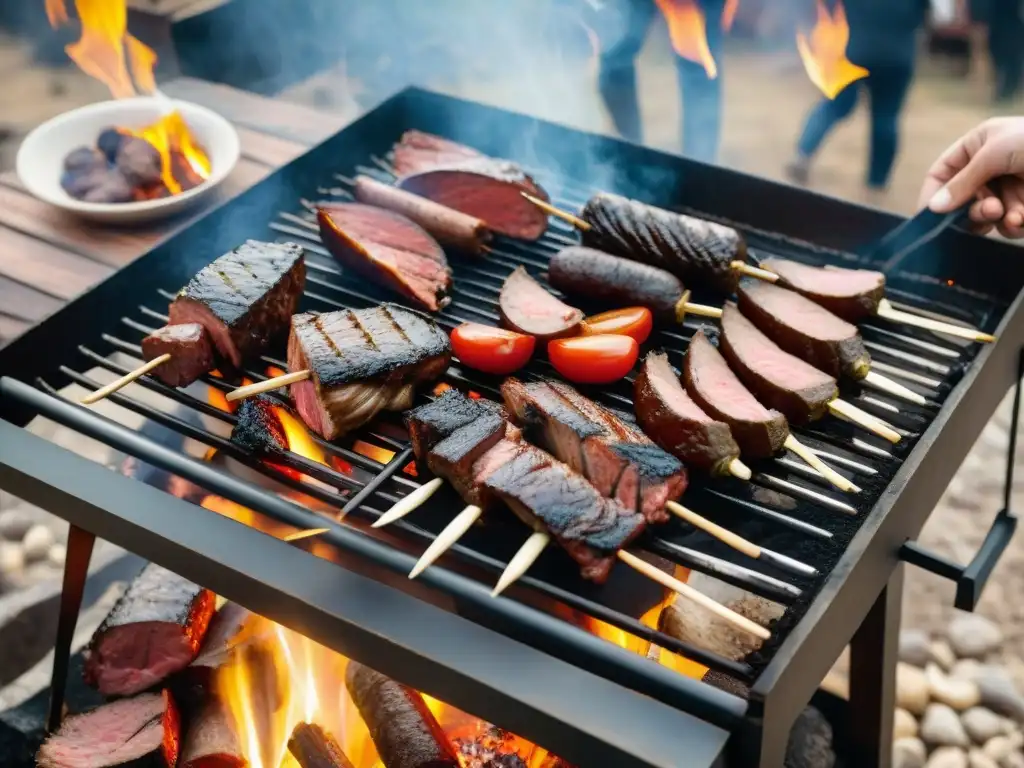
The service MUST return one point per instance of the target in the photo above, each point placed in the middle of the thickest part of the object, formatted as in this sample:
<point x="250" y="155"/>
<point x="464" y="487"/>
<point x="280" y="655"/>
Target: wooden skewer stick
<point x="684" y="308"/>
<point x="268" y="385"/>
<point x="521" y="561"/>
<point x="751" y="271"/>
<point x="446" y="539"/>
<point x="852" y="413"/>
<point x="125" y="380"/>
<point x="738" y="469"/>
<point x="404" y="506"/>
<point x="889" y="312"/>
<point x="894" y="388"/>
<point x="308" y="533"/>
<point x="819" y="466"/>
<point x="576" y="221"/>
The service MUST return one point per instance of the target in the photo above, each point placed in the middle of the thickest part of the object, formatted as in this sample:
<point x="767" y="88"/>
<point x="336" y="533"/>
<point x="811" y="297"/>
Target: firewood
<point x="313" y="747"/>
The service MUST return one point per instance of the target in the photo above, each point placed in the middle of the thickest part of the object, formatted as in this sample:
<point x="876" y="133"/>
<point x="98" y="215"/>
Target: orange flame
<point x="687" y="28"/>
<point x="729" y="13"/>
<point x="171" y="138"/>
<point x="824" y="53"/>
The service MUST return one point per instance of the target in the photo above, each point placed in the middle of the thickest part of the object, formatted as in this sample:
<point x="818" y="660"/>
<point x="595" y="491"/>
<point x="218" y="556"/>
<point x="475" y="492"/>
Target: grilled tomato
<point x="491" y="350"/>
<point x="631" y="321"/>
<point x="594" y="359"/>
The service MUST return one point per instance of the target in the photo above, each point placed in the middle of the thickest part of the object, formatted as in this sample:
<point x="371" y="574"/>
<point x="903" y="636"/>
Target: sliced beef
<point x="389" y="249"/>
<point x="190" y="349"/>
<point x="211" y="740"/>
<point x="525" y="307"/>
<point x="487" y="189"/>
<point x="362" y="361"/>
<point x="615" y="282"/>
<point x="674" y="421"/>
<point x="401" y="725"/>
<point x="780" y="380"/>
<point x="432" y="422"/>
<point x="698" y="252"/>
<point x="245" y="298"/>
<point x="418" y="151"/>
<point x="455" y="457"/>
<point x="143" y="731"/>
<point x="804" y="329"/>
<point x="258" y="427"/>
<point x="758" y="431"/>
<point x="153" y="631"/>
<point x="616" y="457"/>
<point x="853" y="294"/>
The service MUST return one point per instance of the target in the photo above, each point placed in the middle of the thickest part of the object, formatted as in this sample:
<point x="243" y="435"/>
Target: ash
<point x="492" y="749"/>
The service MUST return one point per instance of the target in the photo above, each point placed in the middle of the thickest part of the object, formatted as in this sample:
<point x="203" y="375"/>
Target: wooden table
<point x="47" y="258"/>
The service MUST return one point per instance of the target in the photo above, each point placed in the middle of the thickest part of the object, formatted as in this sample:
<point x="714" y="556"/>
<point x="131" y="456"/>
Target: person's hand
<point x="986" y="163"/>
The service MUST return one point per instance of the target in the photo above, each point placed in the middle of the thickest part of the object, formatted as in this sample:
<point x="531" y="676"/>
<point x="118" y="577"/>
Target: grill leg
<point x="76" y="569"/>
<point x="873" y="653"/>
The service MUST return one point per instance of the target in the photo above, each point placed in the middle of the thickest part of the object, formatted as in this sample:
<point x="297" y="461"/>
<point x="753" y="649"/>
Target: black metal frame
<point x="144" y="520"/>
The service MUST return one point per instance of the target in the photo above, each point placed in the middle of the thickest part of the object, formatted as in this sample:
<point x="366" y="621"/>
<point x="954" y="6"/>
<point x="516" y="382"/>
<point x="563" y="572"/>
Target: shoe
<point x="798" y="170"/>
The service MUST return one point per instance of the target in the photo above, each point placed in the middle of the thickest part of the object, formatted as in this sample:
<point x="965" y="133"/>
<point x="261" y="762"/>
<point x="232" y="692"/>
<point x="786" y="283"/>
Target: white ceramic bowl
<point x="40" y="160"/>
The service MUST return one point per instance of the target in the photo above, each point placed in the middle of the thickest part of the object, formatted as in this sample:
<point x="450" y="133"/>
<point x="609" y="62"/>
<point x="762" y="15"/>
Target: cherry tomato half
<point x="594" y="359"/>
<point x="631" y="321"/>
<point x="491" y="350"/>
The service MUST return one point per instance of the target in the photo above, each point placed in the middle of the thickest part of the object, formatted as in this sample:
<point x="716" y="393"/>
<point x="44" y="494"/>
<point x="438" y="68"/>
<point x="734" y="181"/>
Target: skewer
<point x="446" y="539"/>
<point x="125" y="380"/>
<point x="852" y="413"/>
<point x="547" y="207"/>
<point x="268" y="385"/>
<point x="308" y="533"/>
<point x="407" y="504"/>
<point x="819" y="466"/>
<point x="751" y="271"/>
<point x="684" y="308"/>
<point x="885" y="384"/>
<point x="738" y="469"/>
<point x="886" y="310"/>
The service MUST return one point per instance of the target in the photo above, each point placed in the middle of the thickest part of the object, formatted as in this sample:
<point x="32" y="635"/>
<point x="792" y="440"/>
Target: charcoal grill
<point x="513" y="660"/>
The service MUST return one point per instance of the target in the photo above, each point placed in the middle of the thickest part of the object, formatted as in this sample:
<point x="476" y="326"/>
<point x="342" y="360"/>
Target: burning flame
<point x="687" y="28"/>
<point x="729" y="13"/>
<point x="824" y="53"/>
<point x="171" y="137"/>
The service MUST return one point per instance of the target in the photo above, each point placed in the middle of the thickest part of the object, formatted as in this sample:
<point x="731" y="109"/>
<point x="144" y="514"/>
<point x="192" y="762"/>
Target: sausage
<point x="448" y="226"/>
<point x="617" y="282"/>
<point x="759" y="432"/>
<point x="694" y="250"/>
<point x="402" y="727"/>
<point x="525" y="307"/>
<point x="853" y="294"/>
<point x="804" y="329"/>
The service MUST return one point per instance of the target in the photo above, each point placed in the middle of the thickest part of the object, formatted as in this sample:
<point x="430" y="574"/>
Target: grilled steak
<point x="853" y="294"/>
<point x="759" y="432"/>
<point x="143" y="731"/>
<point x="389" y="249"/>
<point x="402" y="727"/>
<point x="487" y="189"/>
<point x="211" y="740"/>
<point x="432" y="422"/>
<point x="153" y="631"/>
<point x="363" y="361"/>
<point x="245" y="298"/>
<point x="698" y="252"/>
<point x="454" y="457"/>
<point x="675" y="422"/>
<point x="779" y="379"/>
<point x="525" y="307"/>
<point x="617" y="458"/>
<point x="804" y="329"/>
<point x="418" y="151"/>
<point x="449" y="226"/>
<point x="616" y="282"/>
<point x="190" y="350"/>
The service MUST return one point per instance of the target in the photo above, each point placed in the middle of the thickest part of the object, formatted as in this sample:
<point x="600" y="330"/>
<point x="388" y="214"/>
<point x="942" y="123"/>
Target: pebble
<point x="982" y="724"/>
<point x="12" y="558"/>
<point x="973" y="636"/>
<point x="37" y="542"/>
<point x="1012" y="760"/>
<point x="57" y="554"/>
<point x="908" y="753"/>
<point x="958" y="693"/>
<point x="904" y="724"/>
<point x="941" y="727"/>
<point x="965" y="668"/>
<point x="914" y="647"/>
<point x="911" y="689"/>
<point x="947" y="757"/>
<point x="14" y="524"/>
<point x="978" y="759"/>
<point x="942" y="654"/>
<point x="998" y="692"/>
<point x="1001" y="747"/>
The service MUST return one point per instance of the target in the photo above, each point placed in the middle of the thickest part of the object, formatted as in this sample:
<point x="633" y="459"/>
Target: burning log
<point x="225" y="637"/>
<point x="401" y="725"/>
<point x="313" y="747"/>
<point x="211" y="740"/>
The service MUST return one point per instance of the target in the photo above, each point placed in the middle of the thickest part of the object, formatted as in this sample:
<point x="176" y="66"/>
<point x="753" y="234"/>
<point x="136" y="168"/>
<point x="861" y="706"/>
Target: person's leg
<point x="621" y="28"/>
<point x="701" y="96"/>
<point x="888" y="90"/>
<point x="822" y="119"/>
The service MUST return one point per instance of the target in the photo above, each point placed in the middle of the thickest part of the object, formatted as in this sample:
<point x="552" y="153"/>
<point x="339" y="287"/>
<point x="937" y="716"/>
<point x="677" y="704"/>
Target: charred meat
<point x="418" y="151"/>
<point x="805" y="329"/>
<point x="758" y="431"/>
<point x="779" y="379"/>
<point x="674" y="421"/>
<point x="615" y="282"/>
<point x="525" y="307"/>
<point x="853" y="294"/>
<point x="258" y="427"/>
<point x="617" y="458"/>
<point x="245" y="298"/>
<point x="190" y="350"/>
<point x="459" y="453"/>
<point x="432" y="422"/>
<point x="401" y="725"/>
<point x="362" y="361"/>
<point x="389" y="249"/>
<point x="144" y="731"/>
<point x="153" y="631"/>
<point x="698" y="252"/>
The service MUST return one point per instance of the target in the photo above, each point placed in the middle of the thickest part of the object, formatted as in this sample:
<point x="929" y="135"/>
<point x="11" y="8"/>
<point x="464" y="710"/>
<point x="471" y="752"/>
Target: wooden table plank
<point x="51" y="270"/>
<point x="24" y="303"/>
<point x="11" y="328"/>
<point x="269" y="150"/>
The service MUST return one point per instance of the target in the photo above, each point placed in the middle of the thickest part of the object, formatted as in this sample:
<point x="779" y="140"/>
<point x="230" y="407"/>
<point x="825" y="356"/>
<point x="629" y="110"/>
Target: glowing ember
<point x="824" y="52"/>
<point x="687" y="28"/>
<point x="378" y="454"/>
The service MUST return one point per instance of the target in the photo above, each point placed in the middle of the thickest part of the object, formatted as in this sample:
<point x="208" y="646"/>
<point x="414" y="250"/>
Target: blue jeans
<point x="621" y="40"/>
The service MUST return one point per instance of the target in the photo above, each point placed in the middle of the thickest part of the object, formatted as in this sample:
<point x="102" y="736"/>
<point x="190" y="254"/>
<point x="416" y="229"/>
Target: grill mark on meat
<point x="394" y="323"/>
<point x="366" y="333"/>
<point x="432" y="422"/>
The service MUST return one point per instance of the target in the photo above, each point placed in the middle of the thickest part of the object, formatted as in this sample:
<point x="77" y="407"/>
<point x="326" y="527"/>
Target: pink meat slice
<point x="665" y="383"/>
<point x="800" y="313"/>
<point x="834" y="281"/>
<point x="718" y="384"/>
<point x="526" y="307"/>
<point x="419" y="151"/>
<point x="767" y="358"/>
